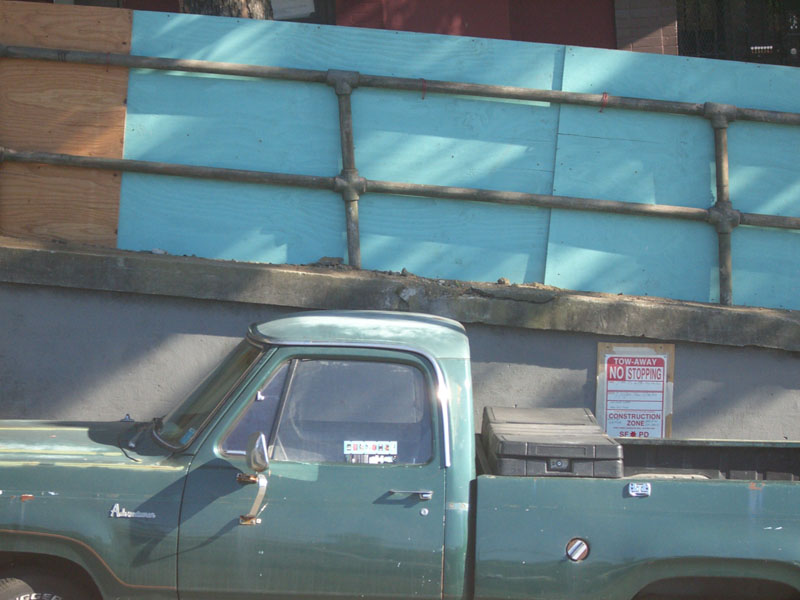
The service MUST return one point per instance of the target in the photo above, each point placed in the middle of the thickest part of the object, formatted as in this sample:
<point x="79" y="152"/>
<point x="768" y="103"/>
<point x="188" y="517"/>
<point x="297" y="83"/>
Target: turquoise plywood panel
<point x="766" y="267"/>
<point x="455" y="141"/>
<point x="460" y="142"/>
<point x="282" y="126"/>
<point x="765" y="179"/>
<point x="223" y="123"/>
<point x="184" y="216"/>
<point x="234" y="123"/>
<point x="448" y="238"/>
<point x="635" y="157"/>
<point x="680" y="78"/>
<point x="666" y="159"/>
<point x="764" y="173"/>
<point x="634" y="255"/>
<point x="378" y="52"/>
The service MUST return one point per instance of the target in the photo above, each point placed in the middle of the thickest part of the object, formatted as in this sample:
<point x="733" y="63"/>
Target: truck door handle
<point x="423" y="494"/>
<point x="251" y="518"/>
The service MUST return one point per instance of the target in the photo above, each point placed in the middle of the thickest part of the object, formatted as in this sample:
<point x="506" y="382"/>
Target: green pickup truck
<point x="333" y="455"/>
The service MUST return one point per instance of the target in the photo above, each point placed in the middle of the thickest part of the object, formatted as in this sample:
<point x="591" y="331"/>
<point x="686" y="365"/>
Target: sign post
<point x="634" y="389"/>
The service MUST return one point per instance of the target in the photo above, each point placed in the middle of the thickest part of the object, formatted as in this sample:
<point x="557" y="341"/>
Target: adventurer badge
<point x="120" y="513"/>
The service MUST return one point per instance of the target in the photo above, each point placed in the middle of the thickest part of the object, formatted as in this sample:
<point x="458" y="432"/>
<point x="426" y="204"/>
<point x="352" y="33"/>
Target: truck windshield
<point x="180" y="426"/>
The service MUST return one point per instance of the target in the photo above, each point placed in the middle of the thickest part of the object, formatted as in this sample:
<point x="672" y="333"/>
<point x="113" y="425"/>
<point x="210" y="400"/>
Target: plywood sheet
<point x="88" y="28"/>
<point x="64" y="108"/>
<point x="294" y="128"/>
<point x="452" y="239"/>
<point x="61" y="203"/>
<point x="53" y="107"/>
<point x="764" y="174"/>
<point x="378" y="52"/>
<point x="766" y="267"/>
<point x="640" y="256"/>
<point x="665" y="159"/>
<point x="244" y="222"/>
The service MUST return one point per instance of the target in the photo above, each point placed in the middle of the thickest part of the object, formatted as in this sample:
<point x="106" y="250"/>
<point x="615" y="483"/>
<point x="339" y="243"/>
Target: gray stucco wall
<point x="77" y="354"/>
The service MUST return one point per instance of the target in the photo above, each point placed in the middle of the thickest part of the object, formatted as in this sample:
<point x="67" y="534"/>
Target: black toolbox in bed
<point x="548" y="442"/>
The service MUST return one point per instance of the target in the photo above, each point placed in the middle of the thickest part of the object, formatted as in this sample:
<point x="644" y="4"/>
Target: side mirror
<point x="257" y="454"/>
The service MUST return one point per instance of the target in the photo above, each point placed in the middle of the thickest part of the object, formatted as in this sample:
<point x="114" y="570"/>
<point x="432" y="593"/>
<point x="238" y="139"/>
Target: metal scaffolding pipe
<point x="396" y="83"/>
<point x="722" y="215"/>
<point x="362" y="186"/>
<point x="348" y="183"/>
<point x="175" y="170"/>
<point x="351" y="186"/>
<point x="131" y="61"/>
<point x="773" y="221"/>
<point x="537" y="200"/>
<point x="725" y="268"/>
<point x="724" y="228"/>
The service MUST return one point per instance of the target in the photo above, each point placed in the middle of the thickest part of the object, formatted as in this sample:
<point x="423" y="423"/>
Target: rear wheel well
<point x="731" y="588"/>
<point x="13" y="563"/>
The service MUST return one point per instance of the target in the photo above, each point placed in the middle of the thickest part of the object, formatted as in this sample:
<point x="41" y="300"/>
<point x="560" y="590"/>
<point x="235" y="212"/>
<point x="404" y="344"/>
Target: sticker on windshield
<point x="370" y="452"/>
<point x="187" y="436"/>
<point x="370" y="447"/>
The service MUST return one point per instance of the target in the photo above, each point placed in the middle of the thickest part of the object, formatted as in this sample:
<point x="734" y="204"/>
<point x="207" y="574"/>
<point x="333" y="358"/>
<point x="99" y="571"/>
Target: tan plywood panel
<point x="87" y="28"/>
<point x="56" y="107"/>
<point x="59" y="203"/>
<point x="65" y="108"/>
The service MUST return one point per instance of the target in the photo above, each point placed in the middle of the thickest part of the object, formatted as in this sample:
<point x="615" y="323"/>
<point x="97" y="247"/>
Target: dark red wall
<point x="454" y="17"/>
<point x="573" y="22"/>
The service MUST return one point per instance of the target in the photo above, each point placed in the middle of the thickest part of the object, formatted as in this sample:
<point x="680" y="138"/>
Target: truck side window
<point x="260" y="415"/>
<point x="351" y="411"/>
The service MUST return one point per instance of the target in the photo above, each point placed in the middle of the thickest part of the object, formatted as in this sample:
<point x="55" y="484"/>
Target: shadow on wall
<point x="720" y="392"/>
<point x="82" y="355"/>
<point x="78" y="355"/>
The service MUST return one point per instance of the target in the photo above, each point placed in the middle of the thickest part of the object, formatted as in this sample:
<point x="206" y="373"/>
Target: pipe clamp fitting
<point x="350" y="185"/>
<point x="343" y="82"/>
<point x="724" y="217"/>
<point x="720" y="115"/>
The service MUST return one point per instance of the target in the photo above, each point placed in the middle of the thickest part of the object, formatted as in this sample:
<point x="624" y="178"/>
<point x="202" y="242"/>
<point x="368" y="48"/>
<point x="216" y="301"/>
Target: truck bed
<point x="704" y="528"/>
<point x="678" y="514"/>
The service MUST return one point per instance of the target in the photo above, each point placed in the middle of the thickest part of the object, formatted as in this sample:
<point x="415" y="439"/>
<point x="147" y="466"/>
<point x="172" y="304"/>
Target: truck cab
<point x="356" y="413"/>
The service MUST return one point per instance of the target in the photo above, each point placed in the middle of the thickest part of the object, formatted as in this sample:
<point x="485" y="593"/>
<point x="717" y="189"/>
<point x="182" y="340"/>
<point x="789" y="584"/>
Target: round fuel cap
<point x="577" y="549"/>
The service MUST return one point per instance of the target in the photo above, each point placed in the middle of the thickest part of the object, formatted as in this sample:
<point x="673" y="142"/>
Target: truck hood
<point x="72" y="463"/>
<point x="67" y="443"/>
<point x="69" y="487"/>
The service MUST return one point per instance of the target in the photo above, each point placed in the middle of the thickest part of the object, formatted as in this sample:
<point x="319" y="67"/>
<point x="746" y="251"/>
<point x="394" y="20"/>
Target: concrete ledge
<point x="306" y="287"/>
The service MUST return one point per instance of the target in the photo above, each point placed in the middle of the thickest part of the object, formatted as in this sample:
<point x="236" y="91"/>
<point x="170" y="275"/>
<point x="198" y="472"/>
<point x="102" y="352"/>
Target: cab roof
<point x="438" y="336"/>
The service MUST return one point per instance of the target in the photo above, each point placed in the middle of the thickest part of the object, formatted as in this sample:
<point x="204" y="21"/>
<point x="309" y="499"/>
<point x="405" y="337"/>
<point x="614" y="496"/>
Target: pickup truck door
<point x="354" y="506"/>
